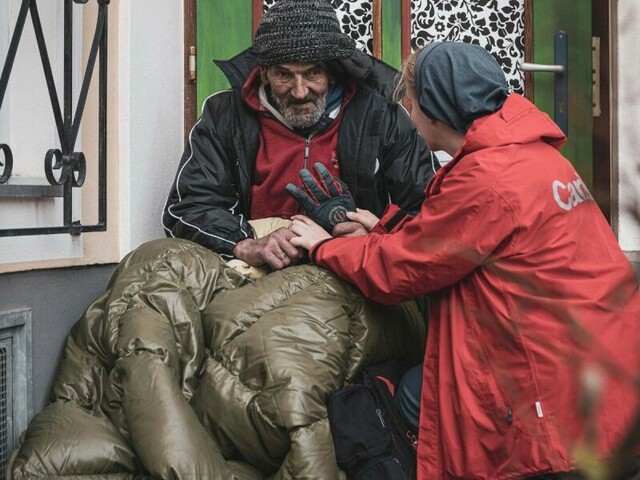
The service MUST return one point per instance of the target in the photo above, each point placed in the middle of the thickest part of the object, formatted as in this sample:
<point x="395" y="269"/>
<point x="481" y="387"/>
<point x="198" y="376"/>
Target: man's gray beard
<point x="301" y="120"/>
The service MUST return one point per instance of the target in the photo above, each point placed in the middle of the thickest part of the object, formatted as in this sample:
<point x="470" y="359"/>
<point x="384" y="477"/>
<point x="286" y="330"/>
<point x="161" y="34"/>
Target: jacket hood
<point x="381" y="79"/>
<point x="518" y="122"/>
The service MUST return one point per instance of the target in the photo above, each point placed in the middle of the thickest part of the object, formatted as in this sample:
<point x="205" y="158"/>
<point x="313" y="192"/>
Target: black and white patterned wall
<point x="497" y="25"/>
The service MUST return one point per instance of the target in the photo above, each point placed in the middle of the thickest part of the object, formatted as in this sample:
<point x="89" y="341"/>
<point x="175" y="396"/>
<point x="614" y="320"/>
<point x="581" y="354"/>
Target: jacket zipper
<point x="307" y="148"/>
<point x="243" y="174"/>
<point x="412" y="438"/>
<point x="509" y="415"/>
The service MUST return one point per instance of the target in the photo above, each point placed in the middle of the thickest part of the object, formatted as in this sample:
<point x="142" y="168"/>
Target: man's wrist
<point x="242" y="247"/>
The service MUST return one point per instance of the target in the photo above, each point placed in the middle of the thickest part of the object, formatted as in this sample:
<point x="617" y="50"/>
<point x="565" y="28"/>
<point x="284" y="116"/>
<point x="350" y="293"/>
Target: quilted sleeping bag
<point x="185" y="369"/>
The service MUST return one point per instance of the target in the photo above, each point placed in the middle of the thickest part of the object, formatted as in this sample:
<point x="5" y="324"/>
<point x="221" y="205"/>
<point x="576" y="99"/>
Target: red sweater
<point x="283" y="153"/>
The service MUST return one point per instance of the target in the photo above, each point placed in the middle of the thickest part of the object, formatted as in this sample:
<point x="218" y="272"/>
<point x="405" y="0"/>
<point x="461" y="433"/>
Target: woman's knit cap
<point x="307" y="31"/>
<point x="458" y="82"/>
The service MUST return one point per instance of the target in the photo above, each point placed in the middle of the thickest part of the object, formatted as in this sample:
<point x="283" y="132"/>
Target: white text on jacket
<point x="570" y="195"/>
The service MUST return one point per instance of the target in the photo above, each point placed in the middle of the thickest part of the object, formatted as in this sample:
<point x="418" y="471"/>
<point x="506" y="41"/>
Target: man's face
<point x="299" y="91"/>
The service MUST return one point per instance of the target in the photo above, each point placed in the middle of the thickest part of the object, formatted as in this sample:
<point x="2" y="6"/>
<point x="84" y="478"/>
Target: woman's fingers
<point x="308" y="232"/>
<point x="303" y="219"/>
<point x="364" y="217"/>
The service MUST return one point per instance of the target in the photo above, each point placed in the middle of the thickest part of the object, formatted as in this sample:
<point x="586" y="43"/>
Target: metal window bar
<point x="70" y="165"/>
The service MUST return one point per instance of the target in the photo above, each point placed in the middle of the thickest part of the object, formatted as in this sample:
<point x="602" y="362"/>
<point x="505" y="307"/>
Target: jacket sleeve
<point x="406" y="161"/>
<point x="453" y="234"/>
<point x="204" y="205"/>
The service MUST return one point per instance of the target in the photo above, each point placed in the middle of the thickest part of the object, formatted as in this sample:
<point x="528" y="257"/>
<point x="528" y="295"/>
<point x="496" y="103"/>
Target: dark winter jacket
<point x="382" y="159"/>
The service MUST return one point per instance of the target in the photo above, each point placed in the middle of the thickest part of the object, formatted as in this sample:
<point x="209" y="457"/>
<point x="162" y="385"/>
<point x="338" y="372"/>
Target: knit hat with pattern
<point x="307" y="31"/>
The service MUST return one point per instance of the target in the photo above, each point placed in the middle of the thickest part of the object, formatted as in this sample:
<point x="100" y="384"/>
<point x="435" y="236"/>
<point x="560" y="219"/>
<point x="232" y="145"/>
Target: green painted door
<point x="391" y="33"/>
<point x="223" y="28"/>
<point x="574" y="18"/>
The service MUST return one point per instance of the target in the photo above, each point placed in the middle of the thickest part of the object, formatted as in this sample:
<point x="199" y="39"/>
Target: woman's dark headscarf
<point x="458" y="82"/>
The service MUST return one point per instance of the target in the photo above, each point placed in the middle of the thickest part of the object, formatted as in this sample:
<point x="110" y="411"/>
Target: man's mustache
<point x="291" y="100"/>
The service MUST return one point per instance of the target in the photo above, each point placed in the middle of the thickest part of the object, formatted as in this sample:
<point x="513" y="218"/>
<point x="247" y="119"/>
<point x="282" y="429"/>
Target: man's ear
<point x="263" y="75"/>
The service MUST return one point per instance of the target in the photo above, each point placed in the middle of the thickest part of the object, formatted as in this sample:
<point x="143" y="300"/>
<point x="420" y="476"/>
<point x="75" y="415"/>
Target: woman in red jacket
<point x="534" y="346"/>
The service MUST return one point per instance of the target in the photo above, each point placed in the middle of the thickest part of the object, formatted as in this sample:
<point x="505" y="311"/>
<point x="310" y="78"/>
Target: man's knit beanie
<point x="308" y="31"/>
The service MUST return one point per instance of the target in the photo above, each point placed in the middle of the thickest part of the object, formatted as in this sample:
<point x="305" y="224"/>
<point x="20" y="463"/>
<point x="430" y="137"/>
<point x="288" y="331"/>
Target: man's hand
<point x="274" y="250"/>
<point x="327" y="201"/>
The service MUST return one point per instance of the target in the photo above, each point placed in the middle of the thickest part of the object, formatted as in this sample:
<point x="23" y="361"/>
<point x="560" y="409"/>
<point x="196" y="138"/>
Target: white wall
<point x="151" y="113"/>
<point x="628" y="127"/>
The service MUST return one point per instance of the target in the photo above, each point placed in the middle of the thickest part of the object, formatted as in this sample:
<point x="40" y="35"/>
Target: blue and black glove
<point x="327" y="202"/>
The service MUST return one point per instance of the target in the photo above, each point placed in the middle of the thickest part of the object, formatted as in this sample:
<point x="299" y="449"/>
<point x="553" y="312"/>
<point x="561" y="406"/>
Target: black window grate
<point x="65" y="168"/>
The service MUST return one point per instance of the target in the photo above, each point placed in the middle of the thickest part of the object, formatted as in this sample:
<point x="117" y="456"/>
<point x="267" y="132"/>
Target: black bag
<point x="371" y="439"/>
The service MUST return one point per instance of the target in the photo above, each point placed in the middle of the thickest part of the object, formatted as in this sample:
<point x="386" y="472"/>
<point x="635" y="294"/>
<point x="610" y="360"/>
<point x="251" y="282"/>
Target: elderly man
<point x="304" y="95"/>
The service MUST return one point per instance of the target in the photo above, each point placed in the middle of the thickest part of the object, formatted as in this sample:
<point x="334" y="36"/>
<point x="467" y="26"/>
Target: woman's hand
<point x="349" y="229"/>
<point x="367" y="219"/>
<point x="360" y="223"/>
<point x="308" y="232"/>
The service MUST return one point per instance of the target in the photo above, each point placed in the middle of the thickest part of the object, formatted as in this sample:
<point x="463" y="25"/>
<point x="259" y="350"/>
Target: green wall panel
<point x="224" y="28"/>
<point x="392" y="32"/>
<point x="574" y="17"/>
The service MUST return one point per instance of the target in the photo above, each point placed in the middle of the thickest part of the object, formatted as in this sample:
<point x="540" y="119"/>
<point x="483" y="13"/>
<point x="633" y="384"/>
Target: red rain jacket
<point x="529" y="292"/>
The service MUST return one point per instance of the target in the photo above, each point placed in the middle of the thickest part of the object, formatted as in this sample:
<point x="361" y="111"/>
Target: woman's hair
<point x="407" y="80"/>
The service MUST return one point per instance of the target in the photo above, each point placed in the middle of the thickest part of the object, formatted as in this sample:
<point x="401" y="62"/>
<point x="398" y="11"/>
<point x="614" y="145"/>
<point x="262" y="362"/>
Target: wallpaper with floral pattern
<point x="497" y="25"/>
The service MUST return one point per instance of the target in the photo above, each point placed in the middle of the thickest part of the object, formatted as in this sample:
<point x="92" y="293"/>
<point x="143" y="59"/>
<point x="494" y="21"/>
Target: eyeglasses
<point x="286" y="77"/>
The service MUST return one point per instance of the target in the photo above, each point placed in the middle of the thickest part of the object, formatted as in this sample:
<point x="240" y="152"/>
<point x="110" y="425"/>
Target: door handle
<point x="539" y="67"/>
<point x="561" y="81"/>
